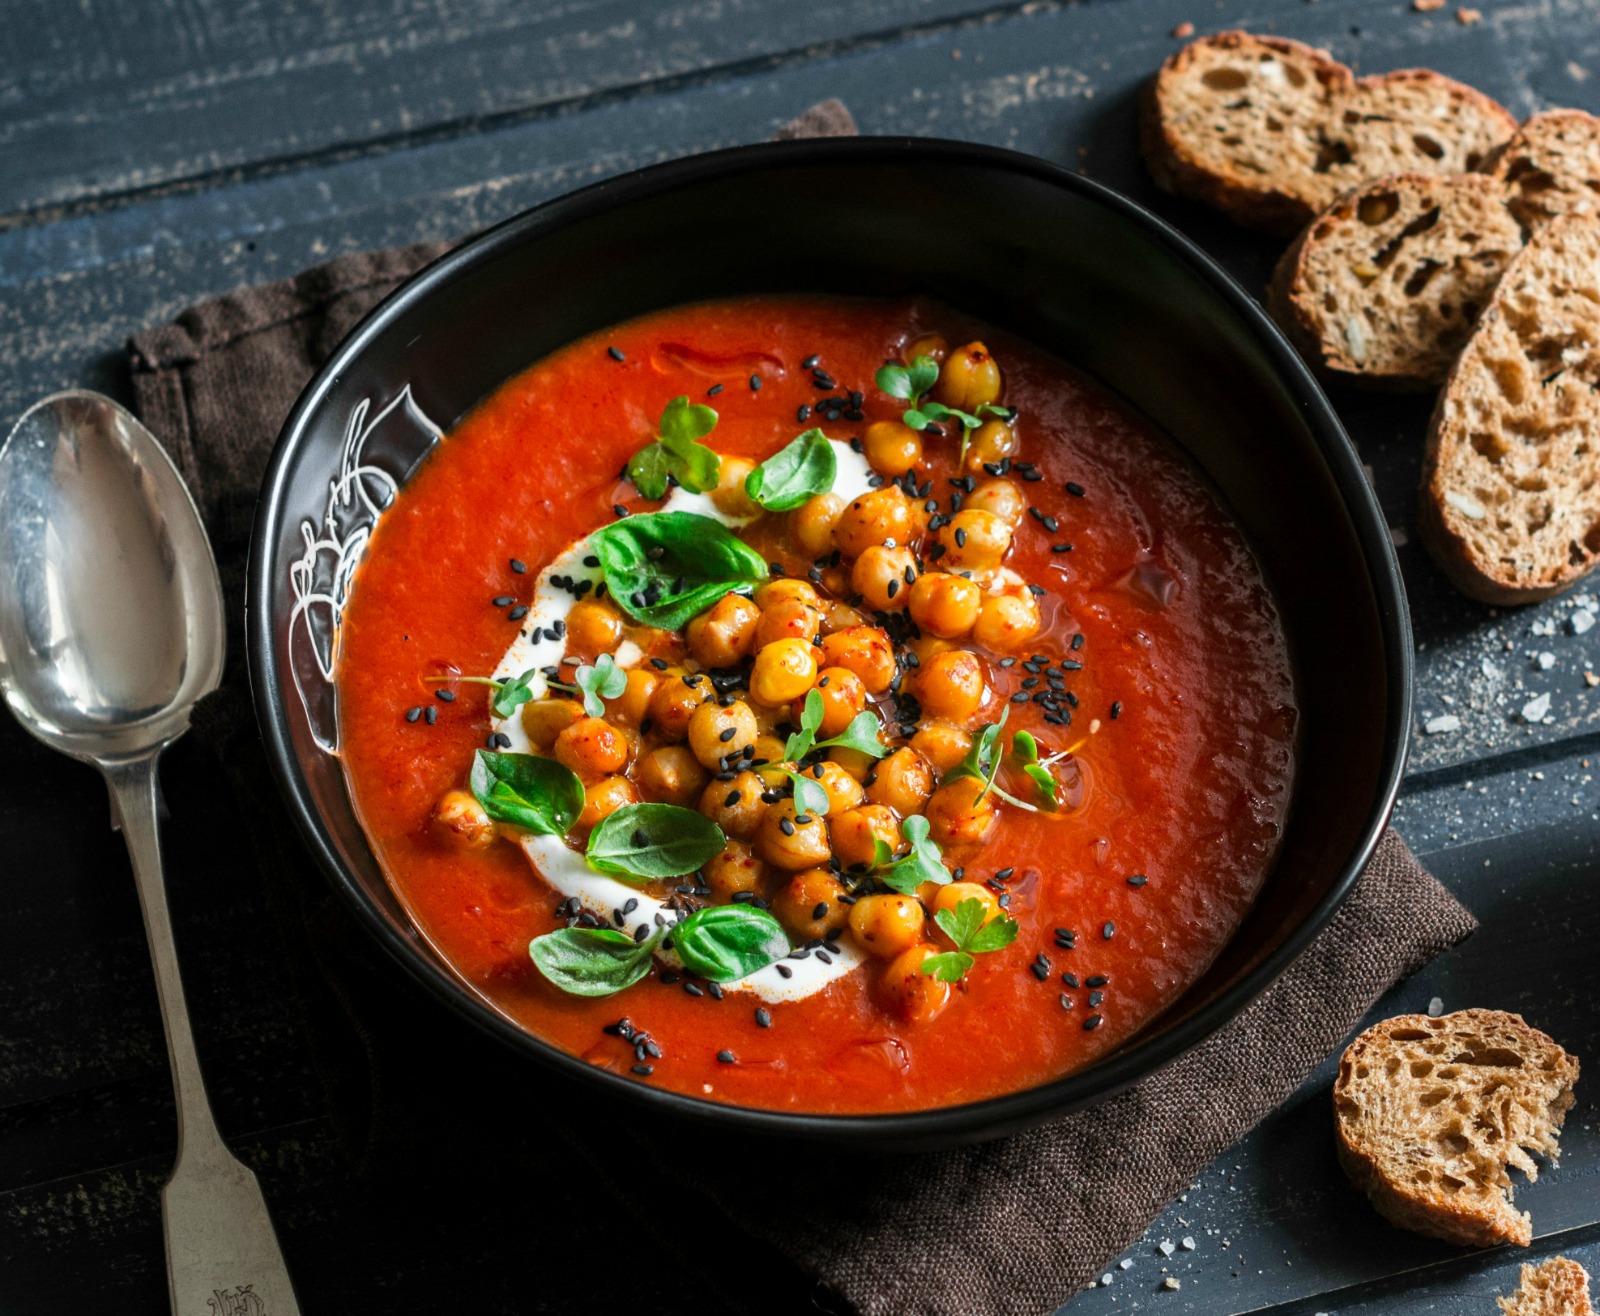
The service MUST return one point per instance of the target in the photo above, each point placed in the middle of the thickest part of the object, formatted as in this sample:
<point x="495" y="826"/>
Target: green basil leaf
<point x="961" y="923"/>
<point x="862" y="734"/>
<point x="804" y="740"/>
<point x="797" y="472"/>
<point x="895" y="380"/>
<point x="924" y="374"/>
<point x="642" y="842"/>
<point x="527" y="791"/>
<point x="605" y="680"/>
<point x="665" y="568"/>
<point x="809" y="797"/>
<point x="684" y="423"/>
<point x="949" y="966"/>
<point x="592" y="961"/>
<point x="924" y="862"/>
<point x="996" y="934"/>
<point x="724" y="942"/>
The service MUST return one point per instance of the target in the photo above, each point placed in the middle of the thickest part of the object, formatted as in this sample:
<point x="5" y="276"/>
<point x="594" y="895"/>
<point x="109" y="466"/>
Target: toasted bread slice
<point x="1271" y="131"/>
<point x="1384" y="286"/>
<point x="1550" y="167"/>
<point x="1510" y="505"/>
<point x="1557" y="1287"/>
<point x="1429" y="1112"/>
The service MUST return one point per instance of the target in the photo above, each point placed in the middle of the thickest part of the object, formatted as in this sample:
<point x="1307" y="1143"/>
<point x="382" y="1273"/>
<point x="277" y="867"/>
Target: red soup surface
<point x="1137" y="643"/>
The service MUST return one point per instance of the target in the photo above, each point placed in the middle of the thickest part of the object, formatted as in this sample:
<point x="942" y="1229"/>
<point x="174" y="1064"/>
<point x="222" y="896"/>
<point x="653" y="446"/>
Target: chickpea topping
<point x="545" y="719"/>
<point x="735" y="806"/>
<point x="883" y="577"/>
<point x="809" y="905"/>
<point x="943" y="746"/>
<point x="950" y="685"/>
<point x="968" y="378"/>
<point x="812" y="524"/>
<point x="944" y="604"/>
<point x="855" y="833"/>
<point x="888" y="924"/>
<point x="594" y="627"/>
<point x="974" y="540"/>
<point x="902" y="782"/>
<point x="787" y="843"/>
<point x="786" y="589"/>
<point x="725" y="633"/>
<point x="735" y="870"/>
<point x="592" y="747"/>
<point x="957" y="817"/>
<point x="769" y="748"/>
<point x="461" y="820"/>
<point x="671" y="775"/>
<point x="784" y="670"/>
<point x="866" y="651"/>
<point x="841" y="616"/>
<point x="843" y="696"/>
<point x="843" y="790"/>
<point x="892" y="447"/>
<point x="917" y="997"/>
<point x="729" y="496"/>
<point x="933" y="345"/>
<point x="991" y="443"/>
<point x="788" y="619"/>
<point x="1007" y="622"/>
<point x="717" y="735"/>
<point x="874" y="519"/>
<point x="1000" y="496"/>
<point x="632" y="706"/>
<point x="603" y="798"/>
<point x="673" y="703"/>
<point x="949" y="896"/>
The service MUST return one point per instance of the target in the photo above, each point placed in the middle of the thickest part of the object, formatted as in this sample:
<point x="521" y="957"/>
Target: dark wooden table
<point x="153" y="153"/>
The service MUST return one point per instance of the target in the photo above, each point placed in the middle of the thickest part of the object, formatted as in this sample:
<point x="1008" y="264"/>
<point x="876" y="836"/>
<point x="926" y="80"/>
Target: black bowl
<point x="1024" y="244"/>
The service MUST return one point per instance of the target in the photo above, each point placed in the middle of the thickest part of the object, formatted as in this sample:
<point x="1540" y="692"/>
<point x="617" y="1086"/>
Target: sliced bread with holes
<point x="1510" y="503"/>
<point x="1557" y="1287"/>
<point x="1384" y="286"/>
<point x="1550" y="167"/>
<point x="1429" y="1112"/>
<point x="1271" y="130"/>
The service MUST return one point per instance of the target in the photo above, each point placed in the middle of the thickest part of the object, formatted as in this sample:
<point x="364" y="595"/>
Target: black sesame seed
<point x="1076" y="490"/>
<point x="640" y="839"/>
<point x="445" y="696"/>
<point x="431" y="716"/>
<point x="1137" y="879"/>
<point x="1003" y="874"/>
<point x="961" y="537"/>
<point x="785" y="826"/>
<point x="820" y="911"/>
<point x="1039" y="971"/>
<point x="412" y="714"/>
<point x="615" y="353"/>
<point x="802" y="818"/>
<point x="693" y="989"/>
<point x="1021" y="697"/>
<point x="1091" y="1023"/>
<point x="1061" y="548"/>
<point x="763" y="1019"/>
<point x="784" y="971"/>
<point x="1066" y="1001"/>
<point x="618" y="509"/>
<point x="1116" y="709"/>
<point x="518" y="613"/>
<point x="810" y="363"/>
<point x="727" y="734"/>
<point x="1108" y="930"/>
<point x="755" y="383"/>
<point x="1095" y="998"/>
<point x="1097" y="980"/>
<point x="1069" y="979"/>
<point x="644" y="1071"/>
<point x="660" y="664"/>
<point x="725" y="1057"/>
<point x="714" y="991"/>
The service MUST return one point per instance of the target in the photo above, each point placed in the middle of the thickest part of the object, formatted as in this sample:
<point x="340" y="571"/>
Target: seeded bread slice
<point x="1558" y="1287"/>
<point x="1510" y="505"/>
<point x="1271" y="130"/>
<point x="1384" y="286"/>
<point x="1550" y="167"/>
<point x="1429" y="1112"/>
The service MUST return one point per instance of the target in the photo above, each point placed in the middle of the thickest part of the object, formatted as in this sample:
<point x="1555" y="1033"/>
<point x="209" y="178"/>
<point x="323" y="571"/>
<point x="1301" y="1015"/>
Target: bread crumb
<point x="1536" y="709"/>
<point x="1467" y="17"/>
<point x="1186" y="30"/>
<point x="1576" y="71"/>
<point x="1442" y="724"/>
<point x="1591" y="680"/>
<point x="1427" y="6"/>
<point x="1171" y="1285"/>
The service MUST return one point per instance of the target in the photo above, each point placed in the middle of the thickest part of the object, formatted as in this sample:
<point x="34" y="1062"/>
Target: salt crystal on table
<point x="1166" y="1248"/>
<point x="1125" y="1264"/>
<point x="1188" y="1243"/>
<point x="1536" y="709"/>
<point x="1445" y="722"/>
<point x="1546" y="661"/>
<point x="1435" y="1008"/>
<point x="1581" y="621"/>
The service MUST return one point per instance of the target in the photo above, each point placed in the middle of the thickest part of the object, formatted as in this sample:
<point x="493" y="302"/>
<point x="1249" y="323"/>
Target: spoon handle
<point x="223" y="1257"/>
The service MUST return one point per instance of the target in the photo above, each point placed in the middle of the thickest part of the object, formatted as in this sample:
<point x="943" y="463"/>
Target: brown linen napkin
<point x="1015" y="1226"/>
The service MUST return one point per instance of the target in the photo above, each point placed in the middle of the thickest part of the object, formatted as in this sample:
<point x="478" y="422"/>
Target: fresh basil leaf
<point x="961" y="923"/>
<point x="1044" y="782"/>
<point x="996" y="934"/>
<point x="642" y="842"/>
<point x="592" y="961"/>
<point x="665" y="568"/>
<point x="684" y="423"/>
<point x="923" y="863"/>
<point x="527" y="791"/>
<point x="724" y="942"/>
<point x="804" y="740"/>
<point x="605" y="680"/>
<point x="949" y="966"/>
<point x="861" y="735"/>
<point x="809" y="797"/>
<point x="797" y="472"/>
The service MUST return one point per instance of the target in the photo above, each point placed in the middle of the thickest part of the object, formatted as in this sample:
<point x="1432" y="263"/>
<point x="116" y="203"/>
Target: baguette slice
<point x="1510" y="505"/>
<point x="1550" y="167"/>
<point x="1271" y="131"/>
<point x="1558" y="1287"/>
<point x="1384" y="286"/>
<point x="1430" y="1111"/>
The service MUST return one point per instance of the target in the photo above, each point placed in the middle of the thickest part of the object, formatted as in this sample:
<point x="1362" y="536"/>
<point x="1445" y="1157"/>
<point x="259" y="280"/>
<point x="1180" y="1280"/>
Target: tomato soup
<point x="817" y="704"/>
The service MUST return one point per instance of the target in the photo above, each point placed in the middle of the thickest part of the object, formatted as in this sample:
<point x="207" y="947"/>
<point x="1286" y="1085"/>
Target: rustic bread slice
<point x="1429" y="1112"/>
<point x="1510" y="505"/>
<point x="1271" y="131"/>
<point x="1550" y="167"/>
<point x="1557" y="1287"/>
<point x="1384" y="286"/>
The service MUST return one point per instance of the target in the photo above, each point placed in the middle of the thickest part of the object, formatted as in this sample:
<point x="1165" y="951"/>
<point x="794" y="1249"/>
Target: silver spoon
<point x="110" y="630"/>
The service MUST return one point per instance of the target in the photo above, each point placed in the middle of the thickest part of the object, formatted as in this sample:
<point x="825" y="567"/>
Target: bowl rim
<point x="991" y="1116"/>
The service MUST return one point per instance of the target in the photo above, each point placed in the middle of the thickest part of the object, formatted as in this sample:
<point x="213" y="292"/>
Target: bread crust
<point x="1557" y="1287"/>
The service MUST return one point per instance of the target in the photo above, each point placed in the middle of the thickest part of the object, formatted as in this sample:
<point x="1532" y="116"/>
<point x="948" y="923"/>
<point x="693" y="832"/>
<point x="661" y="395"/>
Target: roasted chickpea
<point x="844" y="791"/>
<point x="809" y="905"/>
<point x="592" y="747"/>
<point x="461" y="820"/>
<point x="718" y="734"/>
<point x="943" y="746"/>
<point x="933" y="345"/>
<point x="952" y="894"/>
<point x="1002" y="497"/>
<point x="812" y="524"/>
<point x="725" y="633"/>
<point x="852" y="762"/>
<point x="671" y="775"/>
<point x="786" y="589"/>
<point x="841" y="616"/>
<point x="632" y="706"/>
<point x="926" y="647"/>
<point x="974" y="540"/>
<point x="729" y="495"/>
<point x="856" y="832"/>
<point x="917" y="997"/>
<point x="787" y="843"/>
<point x="788" y="619"/>
<point x="843" y="696"/>
<point x="902" y="782"/>
<point x="892" y="447"/>
<point x="991" y="443"/>
<point x="1007" y="621"/>
<point x="736" y="869"/>
<point x="673" y="702"/>
<point x="968" y="378"/>
<point x="883" y="577"/>
<point x="874" y="518"/>
<point x="888" y="924"/>
<point x="866" y="651"/>
<point x="950" y="685"/>
<point x="603" y="798"/>
<point x="956" y="816"/>
<point x="944" y="604"/>
<point x="545" y="719"/>
<point x="769" y="749"/>
<point x="594" y="627"/>
<point x="784" y="670"/>
<point x="735" y="806"/>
